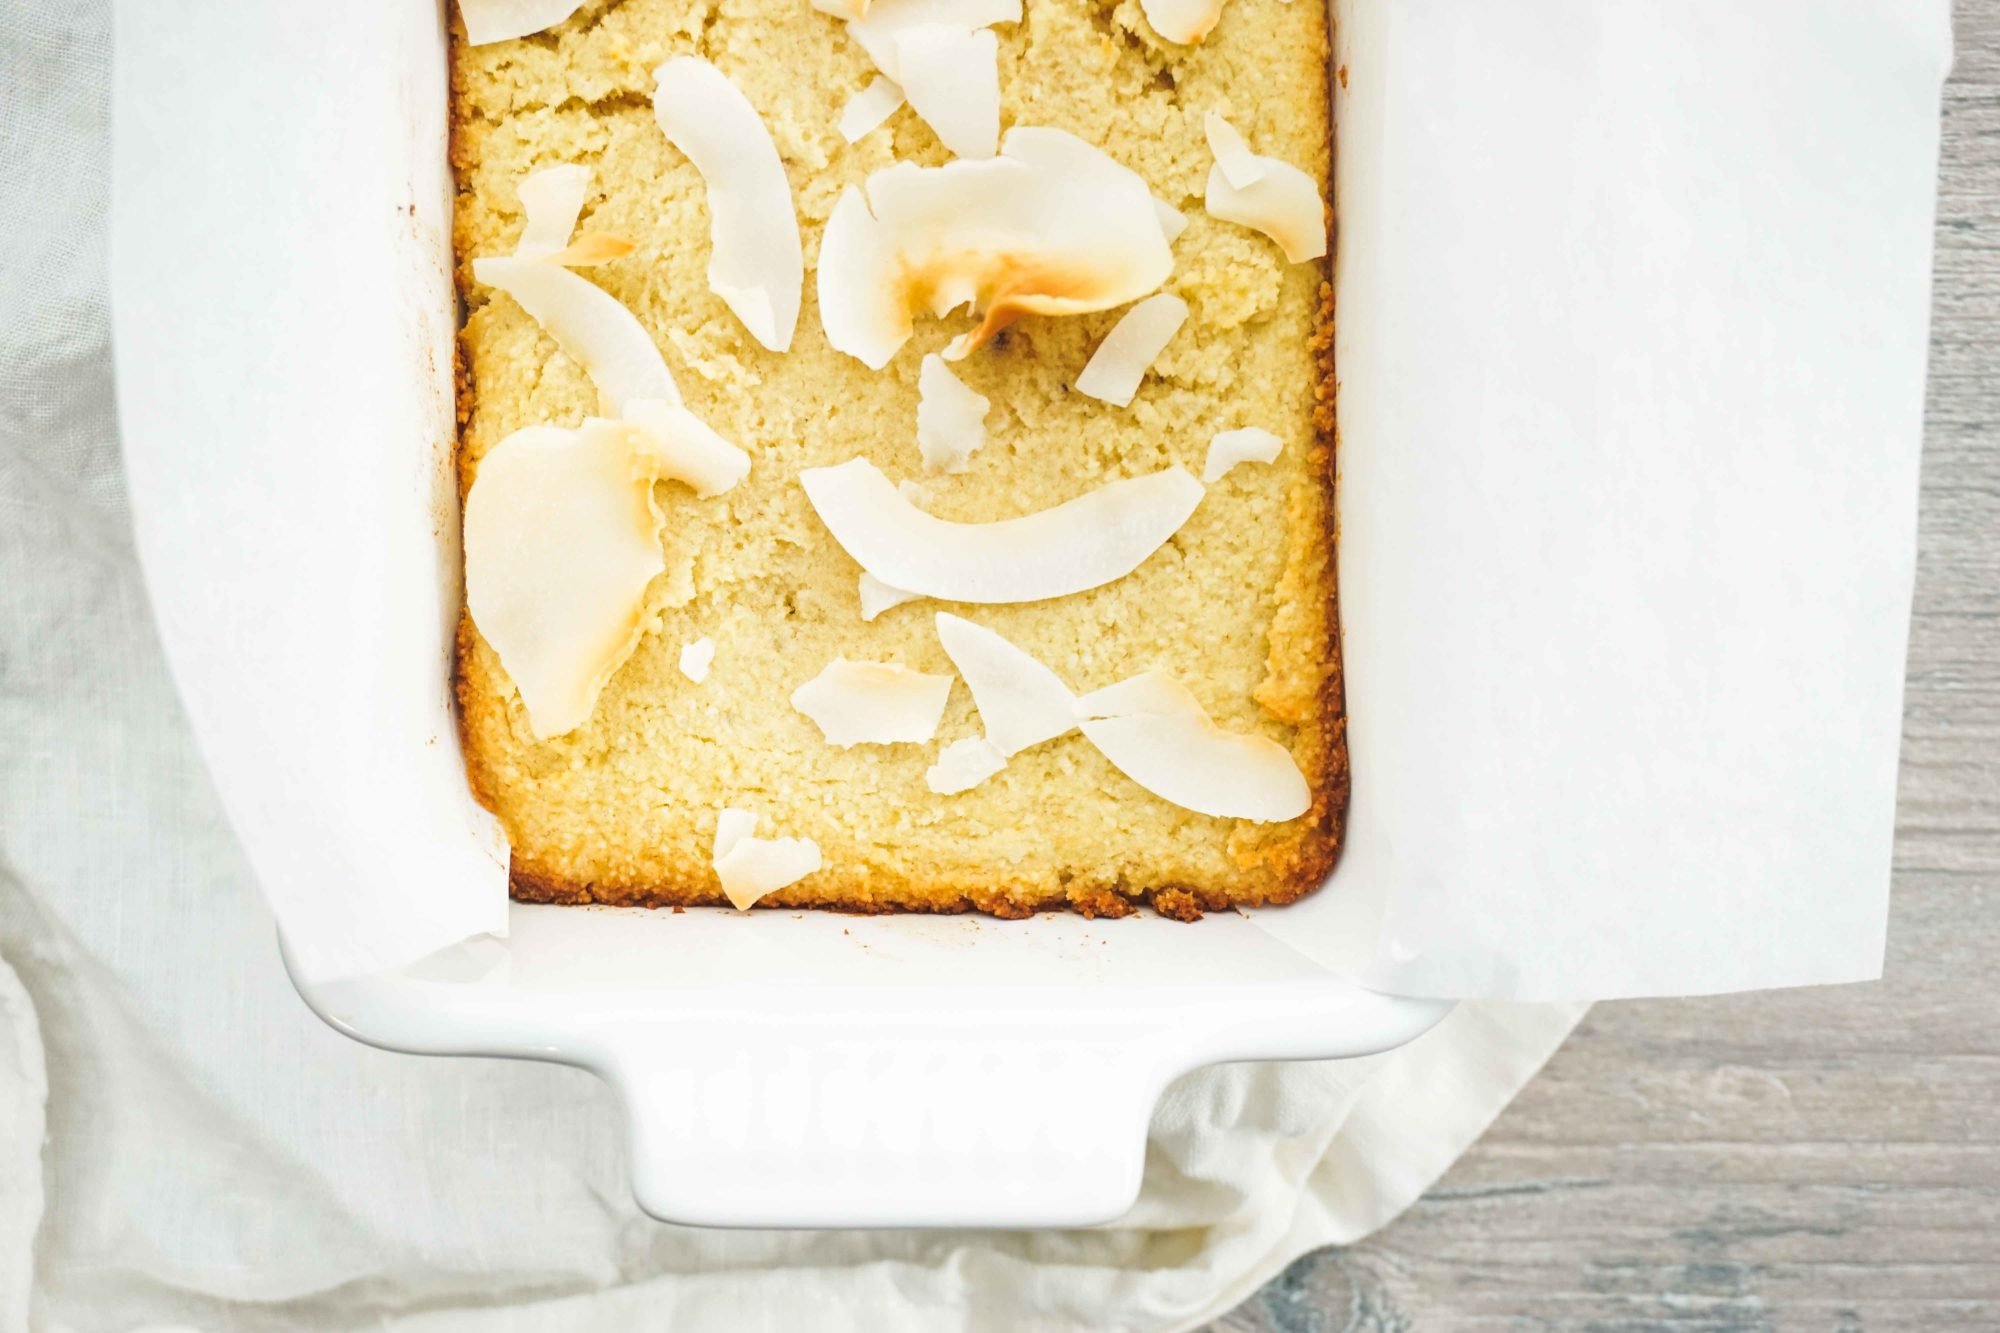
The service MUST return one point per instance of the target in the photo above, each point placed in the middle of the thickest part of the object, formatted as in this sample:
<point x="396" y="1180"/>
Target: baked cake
<point x="741" y="692"/>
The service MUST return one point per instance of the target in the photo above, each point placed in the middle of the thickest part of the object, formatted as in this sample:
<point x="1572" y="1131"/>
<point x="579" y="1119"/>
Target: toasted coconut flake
<point x="681" y="447"/>
<point x="1240" y="167"/>
<point x="873" y="703"/>
<point x="842" y="9"/>
<point x="551" y="200"/>
<point x="597" y="247"/>
<point x="561" y="538"/>
<point x="877" y="596"/>
<point x="500" y="20"/>
<point x="870" y="107"/>
<point x="1183" y="21"/>
<point x="751" y="867"/>
<point x="588" y="323"/>
<point x="755" y="263"/>
<point x="1283" y="203"/>
<point x="1020" y="701"/>
<point x="963" y="765"/>
<point x="1172" y="221"/>
<point x="1252" y="444"/>
<point x="1052" y="226"/>
<point x="951" y="419"/>
<point x="1129" y="350"/>
<point x="696" y="658"/>
<point x="1100" y="536"/>
<point x="1155" y="732"/>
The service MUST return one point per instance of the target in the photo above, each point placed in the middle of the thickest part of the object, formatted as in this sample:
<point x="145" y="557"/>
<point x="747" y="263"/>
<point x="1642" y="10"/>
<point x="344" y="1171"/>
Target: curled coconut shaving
<point x="751" y="867"/>
<point x="755" y="263"/>
<point x="1151" y="728"/>
<point x="1020" y="701"/>
<point x="873" y="703"/>
<point x="1099" y="536"/>
<point x="592" y="326"/>
<point x="562" y="535"/>
<point x="1155" y="732"/>
<point x="1264" y="194"/>
<point x="1129" y="350"/>
<point x="1052" y="226"/>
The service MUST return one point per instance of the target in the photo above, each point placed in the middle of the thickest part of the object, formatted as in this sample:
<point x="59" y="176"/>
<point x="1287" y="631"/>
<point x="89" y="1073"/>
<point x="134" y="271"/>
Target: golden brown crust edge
<point x="1296" y="866"/>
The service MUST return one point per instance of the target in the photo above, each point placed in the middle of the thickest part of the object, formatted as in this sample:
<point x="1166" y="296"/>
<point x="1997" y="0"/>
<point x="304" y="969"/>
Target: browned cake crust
<point x="1270" y="864"/>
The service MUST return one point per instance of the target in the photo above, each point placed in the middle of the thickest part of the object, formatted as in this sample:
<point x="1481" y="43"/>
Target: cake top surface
<point x="1235" y="605"/>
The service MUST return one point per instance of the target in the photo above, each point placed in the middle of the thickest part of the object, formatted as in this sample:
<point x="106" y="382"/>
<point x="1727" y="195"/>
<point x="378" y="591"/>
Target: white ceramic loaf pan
<point x="283" y="322"/>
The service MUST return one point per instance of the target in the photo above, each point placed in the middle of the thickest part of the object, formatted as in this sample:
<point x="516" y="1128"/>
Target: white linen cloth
<point x="183" y="1144"/>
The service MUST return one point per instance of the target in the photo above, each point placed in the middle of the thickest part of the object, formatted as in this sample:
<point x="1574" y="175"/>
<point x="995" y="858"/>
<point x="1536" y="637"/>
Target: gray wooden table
<point x="1822" y="1159"/>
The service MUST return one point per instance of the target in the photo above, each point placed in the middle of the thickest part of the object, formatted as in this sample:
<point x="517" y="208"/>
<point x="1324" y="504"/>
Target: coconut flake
<point x="842" y="9"/>
<point x="877" y="596"/>
<point x="1252" y="444"/>
<point x="1183" y="21"/>
<point x="963" y="765"/>
<point x="682" y="447"/>
<point x="588" y="323"/>
<point x="1080" y="544"/>
<point x="951" y="419"/>
<point x="869" y="107"/>
<point x="696" y="658"/>
<point x="552" y="200"/>
<point x="951" y="77"/>
<point x="751" y="867"/>
<point x="1172" y="221"/>
<point x="1052" y="226"/>
<point x="1240" y="167"/>
<point x="1280" y="201"/>
<point x="1113" y="373"/>
<point x="947" y="66"/>
<point x="499" y="20"/>
<point x="862" y="307"/>
<point x="873" y="703"/>
<point x="561" y="538"/>
<point x="1020" y="701"/>
<point x="755" y="263"/>
<point x="731" y="827"/>
<point x="1155" y="732"/>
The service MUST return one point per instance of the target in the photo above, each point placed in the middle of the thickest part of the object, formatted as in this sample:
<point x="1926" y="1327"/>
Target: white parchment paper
<point x="1634" y="302"/>
<point x="283" y="316"/>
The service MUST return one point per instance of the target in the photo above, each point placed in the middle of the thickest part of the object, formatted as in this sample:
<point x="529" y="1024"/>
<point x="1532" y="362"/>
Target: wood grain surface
<point x="1820" y="1159"/>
